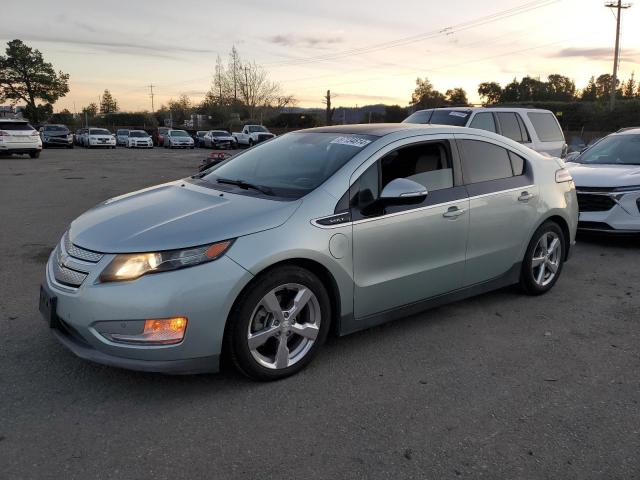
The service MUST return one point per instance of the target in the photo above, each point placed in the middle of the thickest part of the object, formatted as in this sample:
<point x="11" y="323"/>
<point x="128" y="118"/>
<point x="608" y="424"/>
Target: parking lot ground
<point x="498" y="386"/>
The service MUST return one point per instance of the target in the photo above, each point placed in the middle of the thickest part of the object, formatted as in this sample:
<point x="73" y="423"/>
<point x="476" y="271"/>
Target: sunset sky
<point x="365" y="52"/>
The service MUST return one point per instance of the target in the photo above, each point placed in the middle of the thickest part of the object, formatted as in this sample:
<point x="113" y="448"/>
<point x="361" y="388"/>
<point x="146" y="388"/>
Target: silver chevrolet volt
<point x="328" y="230"/>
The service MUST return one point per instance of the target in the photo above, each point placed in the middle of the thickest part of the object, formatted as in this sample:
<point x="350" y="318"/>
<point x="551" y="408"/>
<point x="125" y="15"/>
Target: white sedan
<point x="99" y="137"/>
<point x="139" y="139"/>
<point x="178" y="139"/>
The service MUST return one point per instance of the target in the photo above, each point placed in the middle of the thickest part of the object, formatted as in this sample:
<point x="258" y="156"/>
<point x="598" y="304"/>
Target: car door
<point x="503" y="204"/>
<point x="407" y="253"/>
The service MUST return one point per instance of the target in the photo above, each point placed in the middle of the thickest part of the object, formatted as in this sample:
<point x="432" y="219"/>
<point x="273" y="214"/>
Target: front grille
<point x="589" y="202"/>
<point x="80" y="253"/>
<point x="67" y="276"/>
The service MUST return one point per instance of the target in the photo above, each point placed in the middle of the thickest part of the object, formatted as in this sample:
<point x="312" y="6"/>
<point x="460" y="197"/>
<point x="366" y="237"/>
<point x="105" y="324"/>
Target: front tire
<point x="278" y="324"/>
<point x="34" y="154"/>
<point x="543" y="260"/>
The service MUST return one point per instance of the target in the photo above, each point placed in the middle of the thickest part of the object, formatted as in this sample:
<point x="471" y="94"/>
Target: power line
<point x="529" y="6"/>
<point x="619" y="6"/>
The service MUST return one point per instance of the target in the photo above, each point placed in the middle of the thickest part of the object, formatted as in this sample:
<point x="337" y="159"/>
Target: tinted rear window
<point x="15" y="126"/>
<point x="546" y="127"/>
<point x="482" y="161"/>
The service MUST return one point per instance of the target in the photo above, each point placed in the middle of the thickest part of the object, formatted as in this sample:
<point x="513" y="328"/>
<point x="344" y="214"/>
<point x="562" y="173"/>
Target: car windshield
<point x="122" y="132"/>
<point x="614" y="149"/>
<point x="292" y="165"/>
<point x="178" y="133"/>
<point x="99" y="131"/>
<point x="201" y="133"/>
<point x="15" y="126"/>
<point x="138" y="134"/>
<point x="219" y="133"/>
<point x="55" y="128"/>
<point x="257" y="128"/>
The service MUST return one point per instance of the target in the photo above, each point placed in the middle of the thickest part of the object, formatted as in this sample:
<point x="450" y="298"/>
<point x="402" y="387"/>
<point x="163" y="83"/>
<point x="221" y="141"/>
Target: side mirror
<point x="403" y="190"/>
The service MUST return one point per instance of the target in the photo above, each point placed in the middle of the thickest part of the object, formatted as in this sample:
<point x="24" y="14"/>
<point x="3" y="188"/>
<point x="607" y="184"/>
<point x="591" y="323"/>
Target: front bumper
<point x="622" y="217"/>
<point x="57" y="141"/>
<point x="204" y="294"/>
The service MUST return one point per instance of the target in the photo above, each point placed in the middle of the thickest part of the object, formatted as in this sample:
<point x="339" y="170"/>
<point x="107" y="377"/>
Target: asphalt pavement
<point x="498" y="386"/>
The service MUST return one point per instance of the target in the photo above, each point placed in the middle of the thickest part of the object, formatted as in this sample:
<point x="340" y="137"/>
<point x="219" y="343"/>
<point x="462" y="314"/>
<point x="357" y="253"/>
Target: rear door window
<point x="484" y="121"/>
<point x="483" y="161"/>
<point x="546" y="126"/>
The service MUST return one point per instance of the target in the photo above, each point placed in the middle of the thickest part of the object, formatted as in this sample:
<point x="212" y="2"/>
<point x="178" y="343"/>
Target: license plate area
<point x="47" y="306"/>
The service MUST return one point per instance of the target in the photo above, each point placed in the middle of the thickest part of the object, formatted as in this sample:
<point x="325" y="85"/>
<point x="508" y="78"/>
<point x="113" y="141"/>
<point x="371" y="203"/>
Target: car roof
<point x="629" y="131"/>
<point x="488" y="109"/>
<point x="376" y="129"/>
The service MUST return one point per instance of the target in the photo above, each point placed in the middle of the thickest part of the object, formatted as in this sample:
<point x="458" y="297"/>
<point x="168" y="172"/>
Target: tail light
<point x="563" y="175"/>
<point x="3" y="133"/>
<point x="35" y="133"/>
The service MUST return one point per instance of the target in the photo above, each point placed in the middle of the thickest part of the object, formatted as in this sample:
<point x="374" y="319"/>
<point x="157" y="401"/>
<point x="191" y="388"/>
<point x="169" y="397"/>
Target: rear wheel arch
<point x="564" y="226"/>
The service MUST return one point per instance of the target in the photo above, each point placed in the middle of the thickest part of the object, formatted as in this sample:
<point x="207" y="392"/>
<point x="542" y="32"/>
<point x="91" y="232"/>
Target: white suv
<point x="18" y="136"/>
<point x="535" y="128"/>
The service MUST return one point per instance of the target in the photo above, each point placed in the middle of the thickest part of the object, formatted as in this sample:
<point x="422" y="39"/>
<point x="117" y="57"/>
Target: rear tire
<point x="34" y="154"/>
<point x="279" y="349"/>
<point x="543" y="260"/>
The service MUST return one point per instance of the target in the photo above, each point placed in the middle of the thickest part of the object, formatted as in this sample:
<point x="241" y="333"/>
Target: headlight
<point x="130" y="266"/>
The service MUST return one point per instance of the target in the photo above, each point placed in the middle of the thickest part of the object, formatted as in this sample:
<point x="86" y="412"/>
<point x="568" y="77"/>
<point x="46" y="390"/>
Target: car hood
<point x="225" y="137"/>
<point x="175" y="215"/>
<point x="107" y="137"/>
<point x="603" y="175"/>
<point x="55" y="134"/>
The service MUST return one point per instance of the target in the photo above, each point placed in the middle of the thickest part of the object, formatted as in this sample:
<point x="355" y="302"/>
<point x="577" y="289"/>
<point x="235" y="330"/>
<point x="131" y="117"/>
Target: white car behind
<point x="178" y="139"/>
<point x="19" y="137"/>
<point x="99" y="137"/>
<point x="607" y="178"/>
<point x="139" y="139"/>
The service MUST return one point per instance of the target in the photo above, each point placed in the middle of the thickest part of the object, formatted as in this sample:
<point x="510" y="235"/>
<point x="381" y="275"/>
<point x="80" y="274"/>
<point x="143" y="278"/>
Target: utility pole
<point x="329" y="113"/>
<point x="151" y="85"/>
<point x="619" y="6"/>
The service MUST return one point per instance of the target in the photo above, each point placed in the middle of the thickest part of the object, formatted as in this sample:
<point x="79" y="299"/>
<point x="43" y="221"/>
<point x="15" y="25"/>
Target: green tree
<point x="425" y="96"/>
<point x="456" y="97"/>
<point x="25" y="76"/>
<point x="603" y="86"/>
<point x="108" y="104"/>
<point x="511" y="92"/>
<point x="394" y="113"/>
<point x="90" y="111"/>
<point x="590" y="92"/>
<point x="630" y="87"/>
<point x="560" y="88"/>
<point x="490" y="92"/>
<point x="180" y="110"/>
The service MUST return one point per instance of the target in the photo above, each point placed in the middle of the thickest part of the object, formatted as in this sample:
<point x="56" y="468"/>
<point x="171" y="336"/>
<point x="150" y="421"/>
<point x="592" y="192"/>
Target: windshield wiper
<point x="245" y="185"/>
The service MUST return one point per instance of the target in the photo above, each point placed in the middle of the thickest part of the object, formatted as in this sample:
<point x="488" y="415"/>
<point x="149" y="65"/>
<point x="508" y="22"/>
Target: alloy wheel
<point x="284" y="326"/>
<point x="546" y="258"/>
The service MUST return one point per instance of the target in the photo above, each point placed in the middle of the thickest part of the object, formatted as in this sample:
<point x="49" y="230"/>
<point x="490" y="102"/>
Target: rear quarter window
<point x="546" y="126"/>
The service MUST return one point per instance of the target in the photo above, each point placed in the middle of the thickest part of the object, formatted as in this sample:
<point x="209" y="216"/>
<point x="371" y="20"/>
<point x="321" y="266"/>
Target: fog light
<point x="160" y="331"/>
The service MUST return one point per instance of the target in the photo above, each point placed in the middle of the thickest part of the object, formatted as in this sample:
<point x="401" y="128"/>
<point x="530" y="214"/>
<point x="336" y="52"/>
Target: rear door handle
<point x="525" y="196"/>
<point x="453" y="212"/>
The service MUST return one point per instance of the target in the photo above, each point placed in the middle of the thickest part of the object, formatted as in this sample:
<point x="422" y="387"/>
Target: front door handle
<point x="525" y="196"/>
<point x="453" y="212"/>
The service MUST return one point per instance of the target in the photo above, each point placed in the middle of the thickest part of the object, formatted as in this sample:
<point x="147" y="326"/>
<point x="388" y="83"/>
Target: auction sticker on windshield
<point x="458" y="114"/>
<point x="352" y="141"/>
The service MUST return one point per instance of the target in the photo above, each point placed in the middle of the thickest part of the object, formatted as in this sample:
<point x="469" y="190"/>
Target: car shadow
<point x="630" y="240"/>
